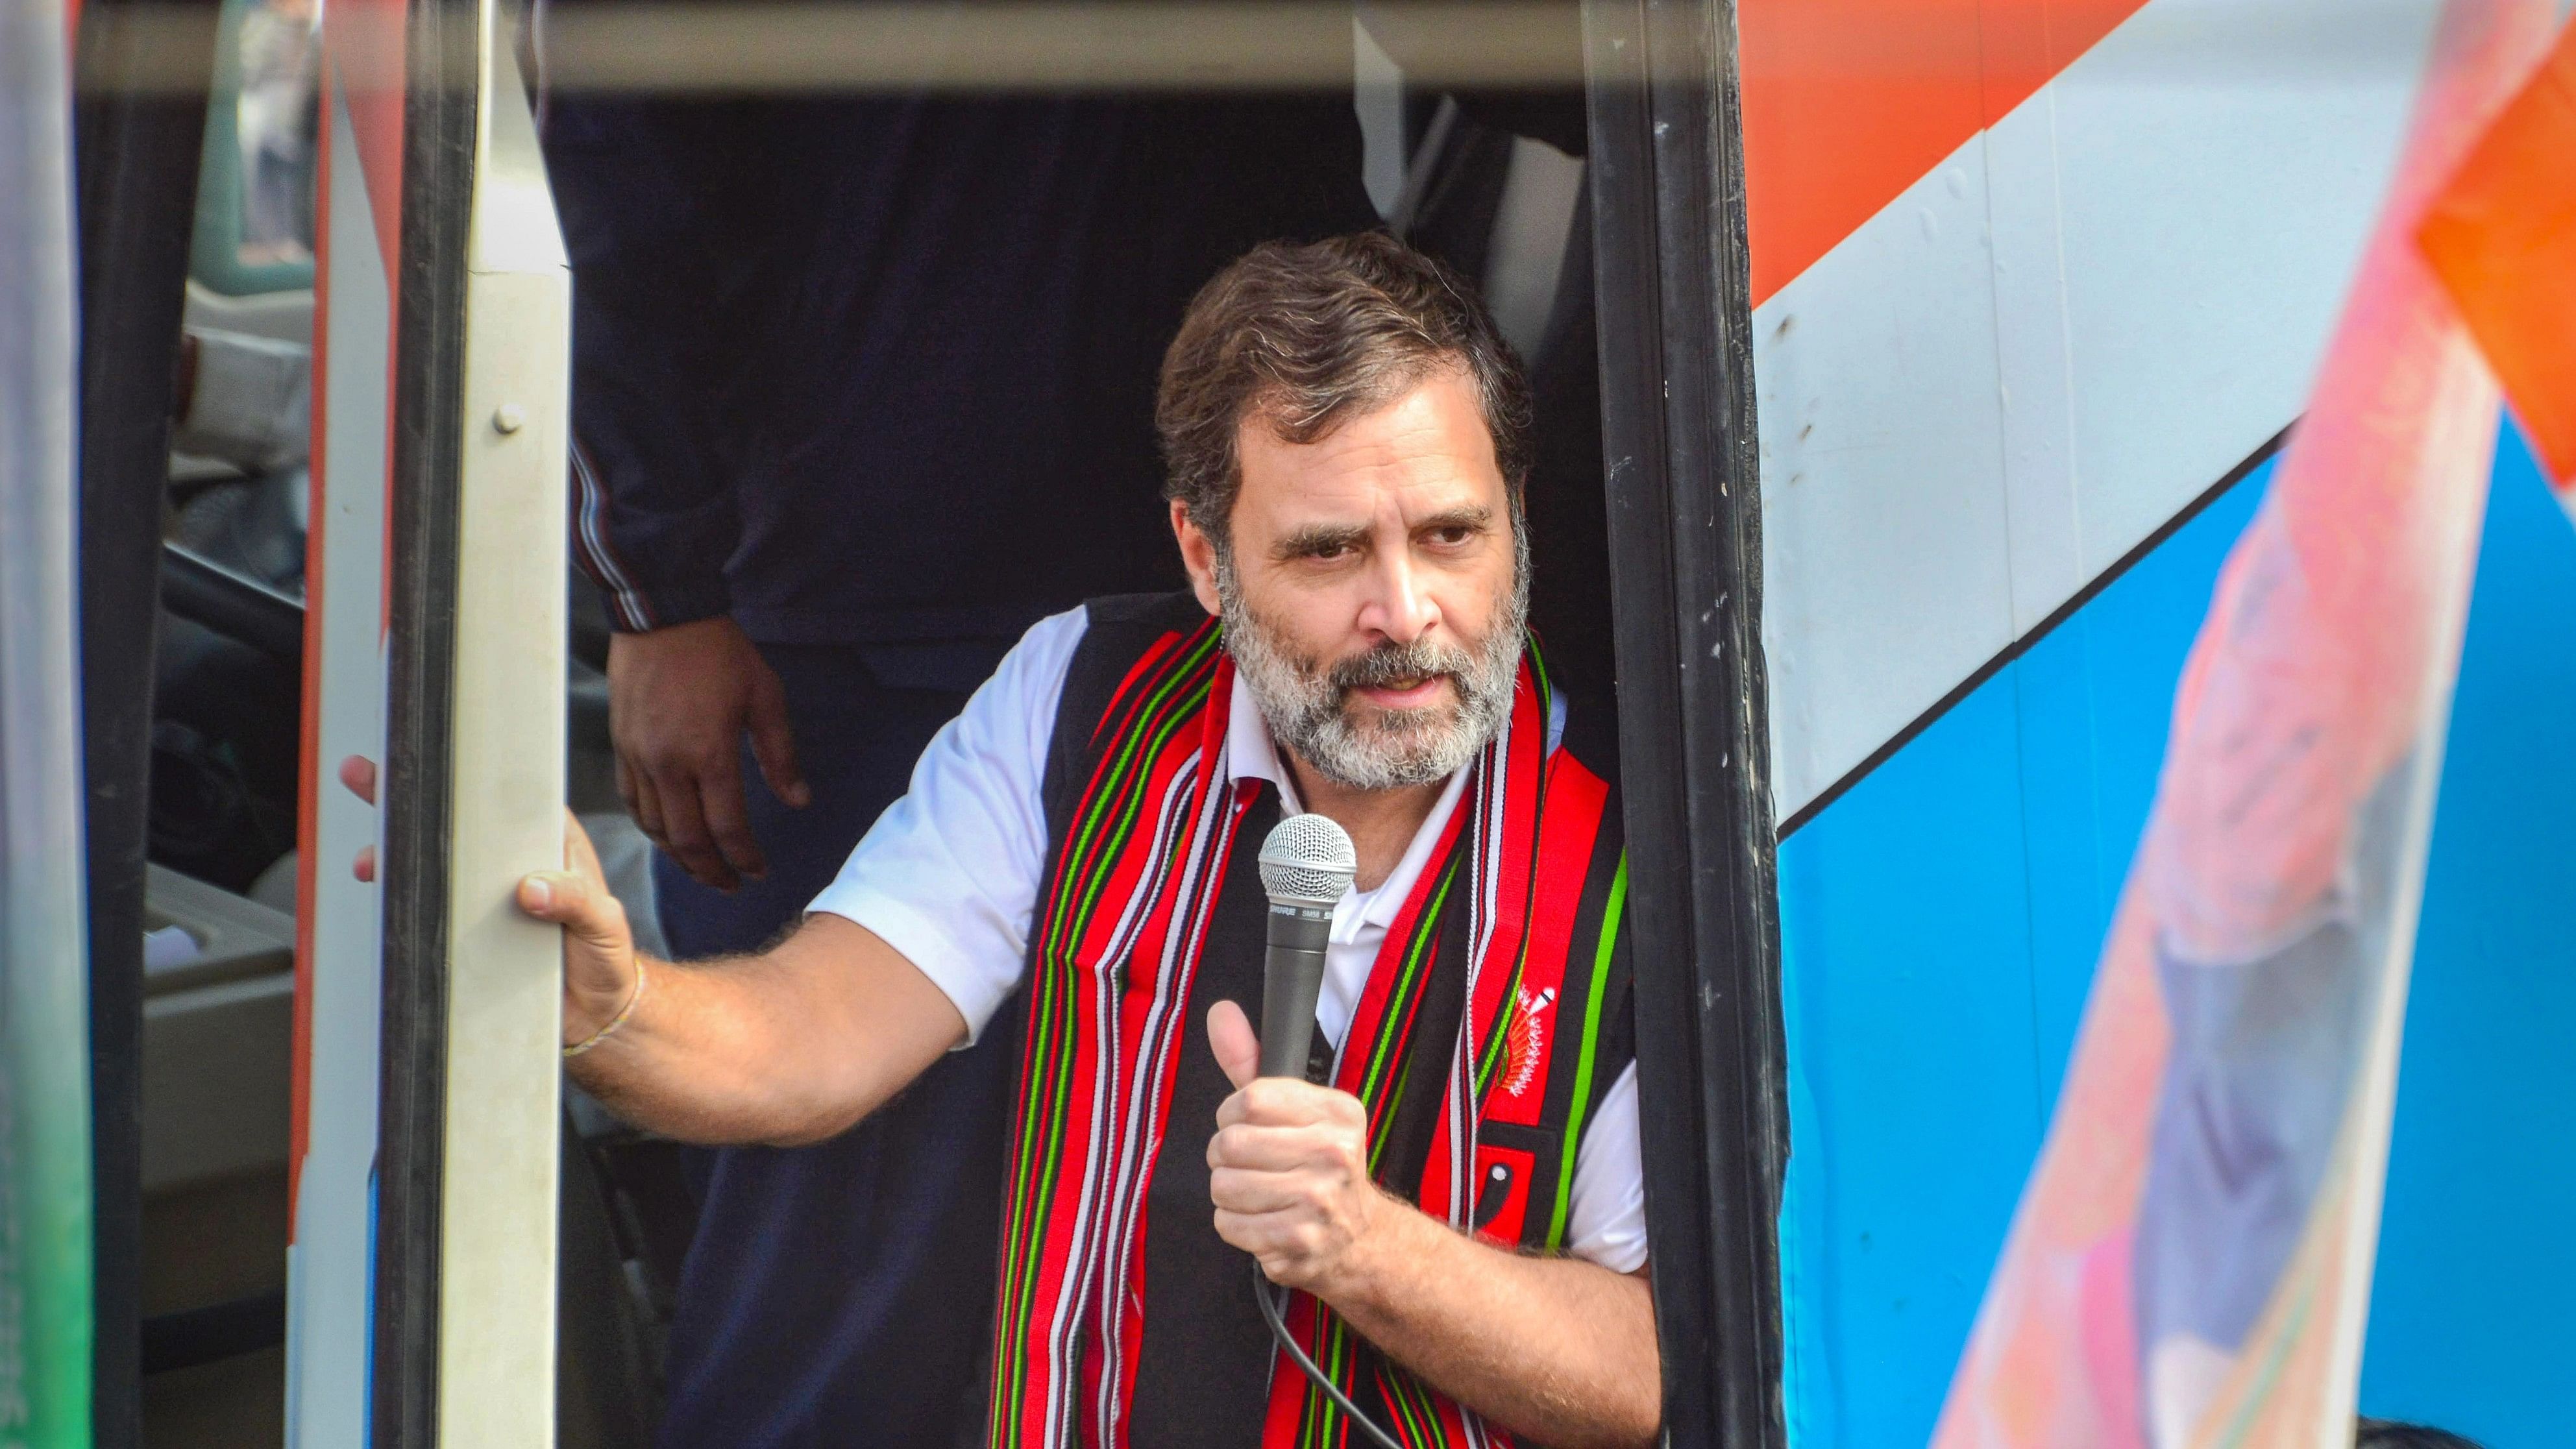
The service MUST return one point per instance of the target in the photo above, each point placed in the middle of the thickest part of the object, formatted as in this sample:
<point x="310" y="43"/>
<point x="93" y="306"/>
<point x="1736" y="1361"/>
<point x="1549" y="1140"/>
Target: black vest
<point x="1204" y="1362"/>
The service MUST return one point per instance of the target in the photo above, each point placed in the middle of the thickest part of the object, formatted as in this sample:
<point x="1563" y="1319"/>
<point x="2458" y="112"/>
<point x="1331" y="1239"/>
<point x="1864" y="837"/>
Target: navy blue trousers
<point x="839" y="1294"/>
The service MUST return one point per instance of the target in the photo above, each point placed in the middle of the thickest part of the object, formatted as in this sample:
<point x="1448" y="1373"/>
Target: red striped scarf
<point x="1117" y="939"/>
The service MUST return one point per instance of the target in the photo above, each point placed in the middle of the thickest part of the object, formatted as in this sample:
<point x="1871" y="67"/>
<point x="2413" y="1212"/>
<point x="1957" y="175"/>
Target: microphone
<point x="1306" y="866"/>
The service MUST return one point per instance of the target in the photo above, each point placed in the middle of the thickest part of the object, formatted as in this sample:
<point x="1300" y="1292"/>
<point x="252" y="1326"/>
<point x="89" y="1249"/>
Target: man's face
<point x="1376" y="587"/>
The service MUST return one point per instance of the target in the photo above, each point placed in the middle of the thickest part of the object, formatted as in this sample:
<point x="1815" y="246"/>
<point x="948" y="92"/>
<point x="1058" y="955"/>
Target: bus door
<point x="422" y="1272"/>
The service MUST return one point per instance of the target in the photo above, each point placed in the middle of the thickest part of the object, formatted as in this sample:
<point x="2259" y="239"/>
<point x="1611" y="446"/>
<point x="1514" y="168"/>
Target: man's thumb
<point x="1238" y="1051"/>
<point x="567" y="900"/>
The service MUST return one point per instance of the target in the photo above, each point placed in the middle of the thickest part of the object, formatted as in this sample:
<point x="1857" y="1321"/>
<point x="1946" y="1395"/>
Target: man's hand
<point x="599" y="948"/>
<point x="1288" y="1167"/>
<point x="1559" y="1349"/>
<point x="786" y="1047"/>
<point x="679" y="702"/>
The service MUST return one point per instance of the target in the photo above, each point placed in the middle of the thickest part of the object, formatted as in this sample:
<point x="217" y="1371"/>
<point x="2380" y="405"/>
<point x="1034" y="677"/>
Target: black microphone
<point x="1306" y="866"/>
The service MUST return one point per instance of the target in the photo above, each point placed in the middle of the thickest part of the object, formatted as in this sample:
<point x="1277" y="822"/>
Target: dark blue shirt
<point x="880" y="371"/>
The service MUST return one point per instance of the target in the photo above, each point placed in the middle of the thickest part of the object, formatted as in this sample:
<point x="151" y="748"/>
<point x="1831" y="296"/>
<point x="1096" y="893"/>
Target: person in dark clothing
<point x="863" y="387"/>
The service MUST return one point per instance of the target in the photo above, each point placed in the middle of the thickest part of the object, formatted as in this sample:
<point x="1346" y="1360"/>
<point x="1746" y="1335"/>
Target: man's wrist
<point x="587" y="1013"/>
<point x="617" y="1022"/>
<point x="666" y="603"/>
<point x="1394" y="1233"/>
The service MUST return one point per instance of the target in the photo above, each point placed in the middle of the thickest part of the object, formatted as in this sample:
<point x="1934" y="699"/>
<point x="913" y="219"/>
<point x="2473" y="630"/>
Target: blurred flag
<point x="2190" y="1262"/>
<point x="2502" y="237"/>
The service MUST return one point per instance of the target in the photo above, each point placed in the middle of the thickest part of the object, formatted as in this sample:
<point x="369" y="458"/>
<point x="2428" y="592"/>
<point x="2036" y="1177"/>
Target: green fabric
<point x="45" y="1331"/>
<point x="44" y="1191"/>
<point x="1591" y="1041"/>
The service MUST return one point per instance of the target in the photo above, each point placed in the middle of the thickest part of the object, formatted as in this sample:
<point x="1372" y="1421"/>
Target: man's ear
<point x="1198" y="555"/>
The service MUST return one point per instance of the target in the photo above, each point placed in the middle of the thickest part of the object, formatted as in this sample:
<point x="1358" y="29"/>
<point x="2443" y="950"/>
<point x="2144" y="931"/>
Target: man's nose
<point x="1398" y="606"/>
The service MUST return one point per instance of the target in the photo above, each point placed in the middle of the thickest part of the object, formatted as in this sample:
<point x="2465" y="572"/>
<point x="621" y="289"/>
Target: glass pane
<point x="275" y="118"/>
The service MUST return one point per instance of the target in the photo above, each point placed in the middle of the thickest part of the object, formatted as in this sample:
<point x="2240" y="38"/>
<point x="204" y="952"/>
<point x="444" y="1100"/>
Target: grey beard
<point x="1307" y="704"/>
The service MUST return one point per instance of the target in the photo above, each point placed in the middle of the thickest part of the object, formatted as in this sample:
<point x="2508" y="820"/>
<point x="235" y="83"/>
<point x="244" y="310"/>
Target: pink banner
<point x="2190" y="1262"/>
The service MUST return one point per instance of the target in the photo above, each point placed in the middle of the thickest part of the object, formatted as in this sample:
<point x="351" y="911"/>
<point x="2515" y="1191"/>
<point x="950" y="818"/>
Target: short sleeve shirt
<point x="949" y="877"/>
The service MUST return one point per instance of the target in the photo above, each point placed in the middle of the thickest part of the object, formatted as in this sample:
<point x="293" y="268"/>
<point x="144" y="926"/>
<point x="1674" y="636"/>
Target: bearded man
<point x="1460" y="1211"/>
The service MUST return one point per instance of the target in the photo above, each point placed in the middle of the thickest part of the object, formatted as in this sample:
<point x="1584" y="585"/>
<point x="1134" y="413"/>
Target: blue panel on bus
<point x="2470" y="1322"/>
<point x="1940" y="925"/>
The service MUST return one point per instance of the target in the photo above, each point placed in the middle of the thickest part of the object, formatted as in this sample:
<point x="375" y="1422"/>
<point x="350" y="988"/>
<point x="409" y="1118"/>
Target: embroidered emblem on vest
<point x="1525" y="1041"/>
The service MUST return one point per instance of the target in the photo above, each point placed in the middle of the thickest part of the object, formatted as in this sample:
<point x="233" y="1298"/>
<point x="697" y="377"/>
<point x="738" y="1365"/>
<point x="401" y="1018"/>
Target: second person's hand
<point x="680" y="700"/>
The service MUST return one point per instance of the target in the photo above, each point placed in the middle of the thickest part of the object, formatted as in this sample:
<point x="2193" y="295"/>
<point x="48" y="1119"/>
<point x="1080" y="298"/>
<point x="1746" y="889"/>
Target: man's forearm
<point x="787" y="1047"/>
<point x="1561" y="1350"/>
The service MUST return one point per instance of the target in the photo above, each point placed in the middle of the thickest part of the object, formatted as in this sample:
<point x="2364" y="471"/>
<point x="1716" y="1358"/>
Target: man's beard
<point x="1310" y="710"/>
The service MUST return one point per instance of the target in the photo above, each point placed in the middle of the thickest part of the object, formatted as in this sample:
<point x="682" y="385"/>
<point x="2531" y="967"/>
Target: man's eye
<point x="1455" y="533"/>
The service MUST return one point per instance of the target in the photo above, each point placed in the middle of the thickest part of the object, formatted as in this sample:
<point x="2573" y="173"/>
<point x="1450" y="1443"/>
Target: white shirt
<point x="949" y="877"/>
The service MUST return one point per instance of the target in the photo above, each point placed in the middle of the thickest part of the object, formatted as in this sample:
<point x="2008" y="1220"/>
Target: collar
<point x="1251" y="754"/>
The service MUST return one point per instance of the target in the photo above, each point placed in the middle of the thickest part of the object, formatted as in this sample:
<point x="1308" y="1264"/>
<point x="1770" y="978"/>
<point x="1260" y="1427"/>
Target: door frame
<point x="422" y="525"/>
<point x="137" y="146"/>
<point x="471" y="1069"/>
<point x="1683" y="484"/>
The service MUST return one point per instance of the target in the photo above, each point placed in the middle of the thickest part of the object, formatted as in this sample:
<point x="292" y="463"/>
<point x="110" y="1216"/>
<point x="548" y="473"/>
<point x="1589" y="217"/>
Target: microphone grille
<point x="1309" y="860"/>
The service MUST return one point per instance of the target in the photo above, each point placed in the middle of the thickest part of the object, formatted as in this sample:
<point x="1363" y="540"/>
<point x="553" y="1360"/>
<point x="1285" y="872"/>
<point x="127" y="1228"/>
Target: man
<point x="1344" y="434"/>
<point x="863" y="387"/>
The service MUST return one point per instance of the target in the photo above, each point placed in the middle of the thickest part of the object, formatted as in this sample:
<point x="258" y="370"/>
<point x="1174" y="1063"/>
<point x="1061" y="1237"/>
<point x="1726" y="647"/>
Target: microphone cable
<point x="1261" y="1288"/>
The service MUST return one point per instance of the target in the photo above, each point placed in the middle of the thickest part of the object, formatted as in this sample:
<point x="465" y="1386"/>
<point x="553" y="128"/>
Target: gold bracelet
<point x="614" y="1022"/>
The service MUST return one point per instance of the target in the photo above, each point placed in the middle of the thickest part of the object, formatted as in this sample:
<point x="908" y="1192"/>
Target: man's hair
<point x="2386" y="1434"/>
<point x="1306" y="337"/>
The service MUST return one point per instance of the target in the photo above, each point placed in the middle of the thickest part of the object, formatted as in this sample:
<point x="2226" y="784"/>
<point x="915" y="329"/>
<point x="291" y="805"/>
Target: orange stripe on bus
<point x="1848" y="102"/>
<point x="2502" y="237"/>
<point x="308" y="767"/>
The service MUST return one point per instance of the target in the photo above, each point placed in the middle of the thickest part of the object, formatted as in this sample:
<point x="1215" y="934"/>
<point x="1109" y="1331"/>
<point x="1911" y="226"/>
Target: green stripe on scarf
<point x="1582" y="1104"/>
